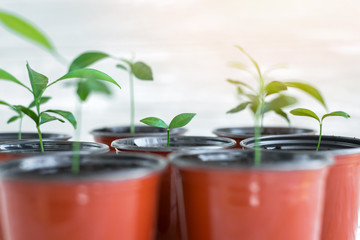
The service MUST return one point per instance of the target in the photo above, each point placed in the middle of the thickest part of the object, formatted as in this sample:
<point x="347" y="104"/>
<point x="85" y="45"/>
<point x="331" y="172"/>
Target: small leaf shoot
<point x="308" y="113"/>
<point x="178" y="121"/>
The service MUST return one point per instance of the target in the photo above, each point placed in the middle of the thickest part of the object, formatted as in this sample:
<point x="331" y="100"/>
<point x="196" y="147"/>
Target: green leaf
<point x="9" y="105"/>
<point x="312" y="91"/>
<point x="29" y="113"/>
<point x="82" y="91"/>
<point x="236" y="82"/>
<point x="279" y="103"/>
<point x="181" y="120"/>
<point x="87" y="73"/>
<point x="8" y="77"/>
<point x="240" y="66"/>
<point x="25" y="29"/>
<point x="13" y="119"/>
<point x="275" y="67"/>
<point x="142" y="71"/>
<point x="305" y="113"/>
<point x="43" y="100"/>
<point x="38" y="82"/>
<point x="44" y="118"/>
<point x="154" y="122"/>
<point x="121" y="67"/>
<point x="239" y="90"/>
<point x="86" y="59"/>
<point x="86" y="87"/>
<point x="336" y="114"/>
<point x="282" y="114"/>
<point x="251" y="59"/>
<point x="239" y="107"/>
<point x="65" y="114"/>
<point x="274" y="87"/>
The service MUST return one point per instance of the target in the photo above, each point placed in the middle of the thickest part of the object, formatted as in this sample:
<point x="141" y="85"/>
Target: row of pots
<point x="216" y="194"/>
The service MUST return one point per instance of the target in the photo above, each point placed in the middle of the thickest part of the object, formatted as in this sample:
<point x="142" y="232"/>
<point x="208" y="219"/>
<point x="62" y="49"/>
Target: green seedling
<point x="138" y="70"/>
<point x="268" y="97"/>
<point x="178" y="121"/>
<point x="28" y="31"/>
<point x="308" y="113"/>
<point x="39" y="83"/>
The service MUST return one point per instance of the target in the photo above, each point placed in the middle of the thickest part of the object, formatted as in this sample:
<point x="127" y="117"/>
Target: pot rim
<point x="245" y="132"/>
<point x="130" y="143"/>
<point x="15" y="134"/>
<point x="146" y="165"/>
<point x="49" y="146"/>
<point x="350" y="145"/>
<point x="102" y="132"/>
<point x="239" y="160"/>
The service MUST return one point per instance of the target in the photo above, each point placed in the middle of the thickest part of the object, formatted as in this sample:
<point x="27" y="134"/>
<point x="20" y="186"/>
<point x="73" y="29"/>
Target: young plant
<point x="308" y="113"/>
<point x="138" y="70"/>
<point x="178" y="121"/>
<point x="39" y="84"/>
<point x="258" y="99"/>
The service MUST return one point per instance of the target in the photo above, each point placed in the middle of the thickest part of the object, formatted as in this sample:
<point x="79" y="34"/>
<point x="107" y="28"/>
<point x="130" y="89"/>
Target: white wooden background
<point x="189" y="43"/>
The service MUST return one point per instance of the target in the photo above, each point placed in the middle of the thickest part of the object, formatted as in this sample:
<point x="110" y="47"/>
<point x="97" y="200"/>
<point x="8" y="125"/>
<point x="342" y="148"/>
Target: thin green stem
<point x="258" y="122"/>
<point x="40" y="138"/>
<point x="168" y="137"/>
<point x="318" y="146"/>
<point x="75" y="166"/>
<point x="38" y="124"/>
<point x="20" y="126"/>
<point x="132" y="103"/>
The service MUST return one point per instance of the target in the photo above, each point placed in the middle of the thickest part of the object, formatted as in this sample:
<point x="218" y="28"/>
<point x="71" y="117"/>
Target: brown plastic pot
<point x="113" y="197"/>
<point x="241" y="133"/>
<point x="13" y="136"/>
<point x="108" y="134"/>
<point x="168" y="224"/>
<point x="224" y="196"/>
<point x="340" y="219"/>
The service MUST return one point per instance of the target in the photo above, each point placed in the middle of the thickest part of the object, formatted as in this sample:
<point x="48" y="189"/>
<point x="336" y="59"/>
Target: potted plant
<point x="44" y="199"/>
<point x="168" y="225"/>
<point x="269" y="97"/>
<point x="225" y="195"/>
<point x="340" y="217"/>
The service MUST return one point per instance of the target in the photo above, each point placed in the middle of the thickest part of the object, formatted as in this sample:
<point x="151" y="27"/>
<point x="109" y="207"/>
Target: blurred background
<point x="189" y="44"/>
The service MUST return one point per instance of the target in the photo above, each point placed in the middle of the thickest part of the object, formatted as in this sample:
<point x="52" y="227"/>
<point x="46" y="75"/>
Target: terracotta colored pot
<point x="13" y="136"/>
<point x="241" y="133"/>
<point x="109" y="134"/>
<point x="113" y="197"/>
<point x="25" y="148"/>
<point x="340" y="219"/>
<point x="168" y="224"/>
<point x="226" y="197"/>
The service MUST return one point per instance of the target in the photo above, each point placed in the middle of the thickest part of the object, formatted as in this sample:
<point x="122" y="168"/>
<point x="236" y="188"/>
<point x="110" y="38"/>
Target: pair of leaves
<point x="25" y="29"/>
<point x="308" y="113"/>
<point x="180" y="120"/>
<point x="44" y="117"/>
<point x="140" y="69"/>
